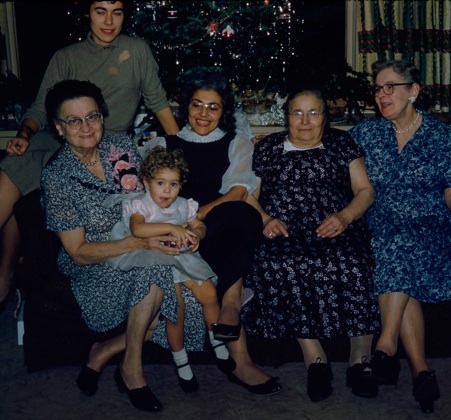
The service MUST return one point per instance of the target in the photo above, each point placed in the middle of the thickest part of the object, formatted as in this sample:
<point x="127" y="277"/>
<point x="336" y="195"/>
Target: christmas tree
<point x="247" y="40"/>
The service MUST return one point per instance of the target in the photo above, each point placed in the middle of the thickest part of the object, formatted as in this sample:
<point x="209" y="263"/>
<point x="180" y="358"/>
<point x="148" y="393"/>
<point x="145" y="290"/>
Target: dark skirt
<point x="233" y="230"/>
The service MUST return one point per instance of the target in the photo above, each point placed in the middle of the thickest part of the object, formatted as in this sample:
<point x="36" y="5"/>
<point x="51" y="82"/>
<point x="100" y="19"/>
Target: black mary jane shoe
<point x="319" y="377"/>
<point x="226" y="332"/>
<point x="88" y="380"/>
<point x="426" y="390"/>
<point x="141" y="398"/>
<point x="188" y="385"/>
<point x="224" y="365"/>
<point x="361" y="380"/>
<point x="271" y="386"/>
<point x="385" y="368"/>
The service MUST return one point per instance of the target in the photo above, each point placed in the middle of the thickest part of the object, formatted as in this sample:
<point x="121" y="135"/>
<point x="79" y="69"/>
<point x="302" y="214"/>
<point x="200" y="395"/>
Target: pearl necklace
<point x="409" y="127"/>
<point x="91" y="163"/>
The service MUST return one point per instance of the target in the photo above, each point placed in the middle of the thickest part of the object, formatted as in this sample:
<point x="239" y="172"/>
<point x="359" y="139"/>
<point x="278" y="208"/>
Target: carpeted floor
<point x="52" y="394"/>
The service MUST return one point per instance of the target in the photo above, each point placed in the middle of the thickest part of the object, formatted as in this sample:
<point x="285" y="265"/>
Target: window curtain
<point x="414" y="30"/>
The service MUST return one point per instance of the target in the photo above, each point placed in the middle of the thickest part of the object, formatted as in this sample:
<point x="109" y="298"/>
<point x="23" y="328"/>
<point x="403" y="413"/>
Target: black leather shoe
<point x="426" y="390"/>
<point x="319" y="376"/>
<point x="226" y="332"/>
<point x="271" y="386"/>
<point x="141" y="398"/>
<point x="361" y="380"/>
<point x="224" y="365"/>
<point x="188" y="385"/>
<point x="88" y="380"/>
<point x="385" y="368"/>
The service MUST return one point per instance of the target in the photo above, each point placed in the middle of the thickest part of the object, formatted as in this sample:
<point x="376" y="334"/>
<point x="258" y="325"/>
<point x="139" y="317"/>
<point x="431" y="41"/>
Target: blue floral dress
<point x="410" y="221"/>
<point x="305" y="286"/>
<point x="73" y="197"/>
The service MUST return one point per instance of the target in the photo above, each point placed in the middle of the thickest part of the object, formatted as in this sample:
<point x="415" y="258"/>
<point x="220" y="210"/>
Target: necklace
<point x="409" y="127"/>
<point x="91" y="163"/>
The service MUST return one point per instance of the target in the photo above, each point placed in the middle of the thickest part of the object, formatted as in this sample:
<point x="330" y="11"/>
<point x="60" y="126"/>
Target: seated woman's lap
<point x="233" y="230"/>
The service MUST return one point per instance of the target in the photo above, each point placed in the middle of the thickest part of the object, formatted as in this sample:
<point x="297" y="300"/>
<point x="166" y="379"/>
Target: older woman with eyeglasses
<point x="219" y="156"/>
<point x="119" y="306"/>
<point x="408" y="154"/>
<point x="312" y="271"/>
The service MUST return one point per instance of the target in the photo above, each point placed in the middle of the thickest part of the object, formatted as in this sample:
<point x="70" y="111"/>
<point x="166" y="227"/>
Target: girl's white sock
<point x="183" y="367"/>
<point x="219" y="347"/>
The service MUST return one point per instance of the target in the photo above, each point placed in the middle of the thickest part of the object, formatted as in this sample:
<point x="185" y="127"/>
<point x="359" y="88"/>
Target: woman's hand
<point x="158" y="243"/>
<point x="17" y="146"/>
<point x="275" y="227"/>
<point x="333" y="225"/>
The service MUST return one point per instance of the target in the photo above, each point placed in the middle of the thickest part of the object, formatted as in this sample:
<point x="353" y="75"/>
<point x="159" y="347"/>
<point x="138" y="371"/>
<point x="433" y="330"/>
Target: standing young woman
<point x="126" y="72"/>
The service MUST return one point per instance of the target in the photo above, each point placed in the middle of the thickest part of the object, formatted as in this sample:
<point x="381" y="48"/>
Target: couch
<point x="55" y="333"/>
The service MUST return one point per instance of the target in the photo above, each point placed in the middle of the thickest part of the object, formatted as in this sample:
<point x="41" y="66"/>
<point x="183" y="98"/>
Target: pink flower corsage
<point x="125" y="172"/>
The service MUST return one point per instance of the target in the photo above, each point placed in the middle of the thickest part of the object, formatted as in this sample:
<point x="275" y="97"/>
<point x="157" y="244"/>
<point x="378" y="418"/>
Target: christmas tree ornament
<point x="212" y="27"/>
<point x="228" y="32"/>
<point x="172" y="14"/>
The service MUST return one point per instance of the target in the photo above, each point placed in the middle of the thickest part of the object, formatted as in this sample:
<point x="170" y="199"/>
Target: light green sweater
<point x="125" y="71"/>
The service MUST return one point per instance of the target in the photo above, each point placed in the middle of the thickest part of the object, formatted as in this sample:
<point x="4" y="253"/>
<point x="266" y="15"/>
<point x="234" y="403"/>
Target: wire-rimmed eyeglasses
<point x="76" y="123"/>
<point x="311" y="115"/>
<point x="388" y="88"/>
<point x="210" y="107"/>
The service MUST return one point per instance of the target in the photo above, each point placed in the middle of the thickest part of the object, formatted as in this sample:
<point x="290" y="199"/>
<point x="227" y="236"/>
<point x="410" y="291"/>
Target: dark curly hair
<point x="72" y="89"/>
<point x="160" y="158"/>
<point x="200" y="78"/>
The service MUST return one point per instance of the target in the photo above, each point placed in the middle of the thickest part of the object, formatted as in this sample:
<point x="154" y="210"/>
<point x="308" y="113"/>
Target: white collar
<point x="188" y="134"/>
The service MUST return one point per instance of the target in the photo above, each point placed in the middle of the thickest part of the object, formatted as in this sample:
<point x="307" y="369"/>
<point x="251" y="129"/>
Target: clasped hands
<point x="180" y="239"/>
<point x="332" y="226"/>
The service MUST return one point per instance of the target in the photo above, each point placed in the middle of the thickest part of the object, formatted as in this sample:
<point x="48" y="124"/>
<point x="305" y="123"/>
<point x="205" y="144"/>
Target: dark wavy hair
<point x="85" y="5"/>
<point x="72" y="89"/>
<point x="200" y="78"/>
<point x="311" y="91"/>
<point x="408" y="72"/>
<point x="160" y="158"/>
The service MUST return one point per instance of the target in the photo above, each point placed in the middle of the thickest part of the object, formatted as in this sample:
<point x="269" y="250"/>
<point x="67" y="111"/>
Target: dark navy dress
<point x="306" y="286"/>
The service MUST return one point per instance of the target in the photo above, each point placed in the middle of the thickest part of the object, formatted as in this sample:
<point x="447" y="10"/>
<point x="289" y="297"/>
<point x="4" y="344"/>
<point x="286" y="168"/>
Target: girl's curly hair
<point x="160" y="158"/>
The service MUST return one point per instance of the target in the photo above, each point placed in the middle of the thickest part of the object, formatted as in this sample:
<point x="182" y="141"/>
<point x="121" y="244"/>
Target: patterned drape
<point x="415" y="30"/>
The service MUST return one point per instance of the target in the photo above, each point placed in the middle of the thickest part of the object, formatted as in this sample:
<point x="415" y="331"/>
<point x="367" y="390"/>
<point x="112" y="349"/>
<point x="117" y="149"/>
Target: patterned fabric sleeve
<point x="61" y="212"/>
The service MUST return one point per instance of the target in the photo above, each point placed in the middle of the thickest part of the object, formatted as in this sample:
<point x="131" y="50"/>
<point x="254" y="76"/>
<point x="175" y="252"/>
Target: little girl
<point x="160" y="211"/>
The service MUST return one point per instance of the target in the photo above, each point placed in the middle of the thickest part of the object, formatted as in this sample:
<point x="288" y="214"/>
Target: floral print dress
<point x="305" y="286"/>
<point x="73" y="198"/>
<point x="410" y="221"/>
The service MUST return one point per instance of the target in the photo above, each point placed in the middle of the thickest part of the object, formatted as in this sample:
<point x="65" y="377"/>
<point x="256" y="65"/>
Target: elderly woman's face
<point x="305" y="120"/>
<point x="205" y="111"/>
<point x="396" y="101"/>
<point x="80" y="123"/>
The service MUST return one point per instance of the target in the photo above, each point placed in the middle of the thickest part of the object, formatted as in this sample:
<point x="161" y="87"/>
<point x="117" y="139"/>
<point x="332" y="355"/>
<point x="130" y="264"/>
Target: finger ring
<point x="335" y="230"/>
<point x="270" y="234"/>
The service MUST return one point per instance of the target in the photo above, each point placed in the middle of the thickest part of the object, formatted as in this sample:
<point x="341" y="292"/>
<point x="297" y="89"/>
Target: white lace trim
<point x="188" y="134"/>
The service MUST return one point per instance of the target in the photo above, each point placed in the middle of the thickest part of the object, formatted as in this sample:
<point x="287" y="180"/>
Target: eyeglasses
<point x="198" y="105"/>
<point x="311" y="115"/>
<point x="93" y="120"/>
<point x="388" y="88"/>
